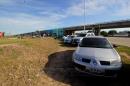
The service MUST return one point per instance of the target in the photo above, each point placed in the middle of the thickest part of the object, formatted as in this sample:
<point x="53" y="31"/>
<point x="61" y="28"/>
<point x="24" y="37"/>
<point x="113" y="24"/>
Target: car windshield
<point x="95" y="42"/>
<point x="81" y="35"/>
<point x="70" y="36"/>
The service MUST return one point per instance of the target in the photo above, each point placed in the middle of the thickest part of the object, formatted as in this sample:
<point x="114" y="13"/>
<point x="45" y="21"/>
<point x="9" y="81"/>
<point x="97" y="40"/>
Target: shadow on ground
<point x="60" y="68"/>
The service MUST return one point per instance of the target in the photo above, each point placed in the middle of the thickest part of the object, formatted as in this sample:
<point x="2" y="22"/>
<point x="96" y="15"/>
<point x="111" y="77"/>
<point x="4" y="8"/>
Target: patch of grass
<point x="124" y="49"/>
<point x="22" y="60"/>
<point x="1" y="50"/>
<point x="8" y="41"/>
<point x="15" y="54"/>
<point x="125" y="60"/>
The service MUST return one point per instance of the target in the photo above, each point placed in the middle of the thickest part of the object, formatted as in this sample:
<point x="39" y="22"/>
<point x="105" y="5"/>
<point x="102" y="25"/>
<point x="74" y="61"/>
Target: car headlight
<point x="77" y="57"/>
<point x="94" y="62"/>
<point x="116" y="63"/>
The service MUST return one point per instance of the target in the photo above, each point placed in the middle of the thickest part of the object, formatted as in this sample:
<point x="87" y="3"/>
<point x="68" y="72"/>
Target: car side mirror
<point x="115" y="46"/>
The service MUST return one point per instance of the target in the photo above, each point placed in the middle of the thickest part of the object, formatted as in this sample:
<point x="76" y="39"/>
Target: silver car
<point x="96" y="56"/>
<point x="80" y="36"/>
<point x="68" y="39"/>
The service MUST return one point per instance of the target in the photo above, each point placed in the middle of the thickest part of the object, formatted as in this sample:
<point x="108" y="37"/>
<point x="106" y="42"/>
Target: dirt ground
<point x="120" y="40"/>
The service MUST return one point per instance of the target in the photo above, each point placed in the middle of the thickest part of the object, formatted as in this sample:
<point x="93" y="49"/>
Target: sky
<point x="21" y="16"/>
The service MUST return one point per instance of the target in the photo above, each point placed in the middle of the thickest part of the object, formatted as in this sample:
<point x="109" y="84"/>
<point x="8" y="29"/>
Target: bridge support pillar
<point x="97" y="32"/>
<point x="129" y="34"/>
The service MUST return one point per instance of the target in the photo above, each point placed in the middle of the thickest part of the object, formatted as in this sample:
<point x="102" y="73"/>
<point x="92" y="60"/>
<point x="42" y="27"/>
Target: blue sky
<point x="19" y="16"/>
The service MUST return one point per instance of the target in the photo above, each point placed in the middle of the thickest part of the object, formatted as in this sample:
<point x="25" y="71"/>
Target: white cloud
<point x="92" y="6"/>
<point x="5" y="2"/>
<point x="124" y="9"/>
<point x="26" y="22"/>
<point x="53" y="15"/>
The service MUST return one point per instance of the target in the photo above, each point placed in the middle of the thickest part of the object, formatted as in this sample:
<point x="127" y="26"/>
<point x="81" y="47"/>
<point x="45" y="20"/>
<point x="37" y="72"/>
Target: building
<point x="57" y="32"/>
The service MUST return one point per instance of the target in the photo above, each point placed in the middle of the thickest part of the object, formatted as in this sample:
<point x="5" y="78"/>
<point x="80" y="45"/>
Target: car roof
<point x="94" y="37"/>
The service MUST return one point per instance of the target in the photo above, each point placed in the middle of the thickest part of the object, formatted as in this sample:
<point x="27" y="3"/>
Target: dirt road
<point x="120" y="41"/>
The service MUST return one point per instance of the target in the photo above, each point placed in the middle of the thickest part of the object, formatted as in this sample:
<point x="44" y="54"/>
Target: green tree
<point x="104" y="33"/>
<point x="112" y="32"/>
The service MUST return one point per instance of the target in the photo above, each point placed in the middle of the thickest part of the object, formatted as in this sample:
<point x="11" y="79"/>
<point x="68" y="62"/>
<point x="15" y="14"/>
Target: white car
<point x="68" y="39"/>
<point x="80" y="36"/>
<point x="90" y="34"/>
<point x="96" y="56"/>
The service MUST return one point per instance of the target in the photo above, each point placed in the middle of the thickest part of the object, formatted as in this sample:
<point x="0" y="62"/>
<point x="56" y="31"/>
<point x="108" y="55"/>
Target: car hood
<point x="98" y="53"/>
<point x="77" y="37"/>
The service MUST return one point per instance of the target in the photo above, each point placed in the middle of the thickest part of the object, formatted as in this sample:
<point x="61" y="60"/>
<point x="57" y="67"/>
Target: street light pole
<point x="84" y="14"/>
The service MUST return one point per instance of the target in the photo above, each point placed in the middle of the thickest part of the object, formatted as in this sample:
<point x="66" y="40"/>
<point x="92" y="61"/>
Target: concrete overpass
<point x="99" y="26"/>
<point x="96" y="27"/>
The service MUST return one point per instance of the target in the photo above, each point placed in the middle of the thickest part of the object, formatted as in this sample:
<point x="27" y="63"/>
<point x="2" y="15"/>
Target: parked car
<point x="68" y="39"/>
<point x="80" y="36"/>
<point x="95" y="55"/>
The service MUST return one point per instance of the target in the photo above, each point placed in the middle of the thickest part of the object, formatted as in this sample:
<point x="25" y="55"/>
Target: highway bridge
<point x="96" y="27"/>
<point x="99" y="26"/>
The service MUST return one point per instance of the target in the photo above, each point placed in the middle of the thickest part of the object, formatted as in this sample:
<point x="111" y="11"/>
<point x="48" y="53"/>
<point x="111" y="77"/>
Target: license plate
<point x="94" y="70"/>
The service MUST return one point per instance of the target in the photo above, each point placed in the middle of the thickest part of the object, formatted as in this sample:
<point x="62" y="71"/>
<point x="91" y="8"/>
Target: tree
<point x="112" y="32"/>
<point x="104" y="33"/>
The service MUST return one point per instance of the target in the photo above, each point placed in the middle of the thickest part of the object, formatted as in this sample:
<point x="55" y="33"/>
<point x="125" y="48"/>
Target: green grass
<point x="8" y="41"/>
<point x="1" y="50"/>
<point x="123" y="49"/>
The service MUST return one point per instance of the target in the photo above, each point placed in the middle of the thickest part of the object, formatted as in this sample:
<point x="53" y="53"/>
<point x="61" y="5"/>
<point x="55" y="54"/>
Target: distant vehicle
<point x="68" y="39"/>
<point x="79" y="37"/>
<point x="90" y="34"/>
<point x="96" y="56"/>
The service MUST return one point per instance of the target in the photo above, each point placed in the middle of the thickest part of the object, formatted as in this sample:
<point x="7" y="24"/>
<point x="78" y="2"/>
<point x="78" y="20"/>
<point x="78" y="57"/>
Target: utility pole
<point x="84" y="14"/>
